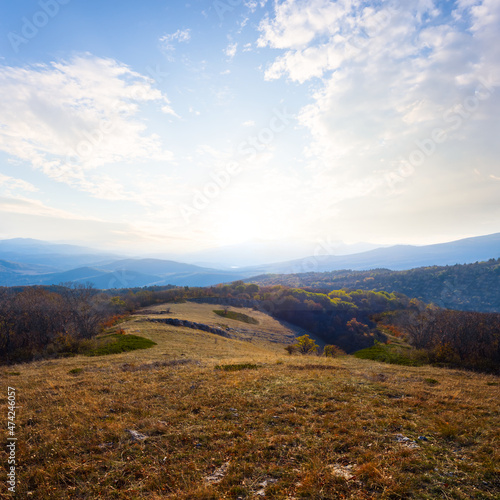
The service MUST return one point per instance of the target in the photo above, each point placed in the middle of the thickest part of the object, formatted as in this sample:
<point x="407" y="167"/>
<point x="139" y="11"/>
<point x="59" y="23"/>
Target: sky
<point x="177" y="127"/>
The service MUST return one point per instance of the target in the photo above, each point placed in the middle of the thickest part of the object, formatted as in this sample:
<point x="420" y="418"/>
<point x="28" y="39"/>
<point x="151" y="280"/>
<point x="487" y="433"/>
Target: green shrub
<point x="236" y="316"/>
<point x="431" y="381"/>
<point x="115" y="344"/>
<point x="237" y="367"/>
<point x="387" y="354"/>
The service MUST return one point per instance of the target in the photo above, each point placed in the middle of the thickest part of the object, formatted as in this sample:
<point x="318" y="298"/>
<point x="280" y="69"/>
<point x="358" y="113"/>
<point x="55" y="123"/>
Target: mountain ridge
<point x="396" y="257"/>
<point x="106" y="271"/>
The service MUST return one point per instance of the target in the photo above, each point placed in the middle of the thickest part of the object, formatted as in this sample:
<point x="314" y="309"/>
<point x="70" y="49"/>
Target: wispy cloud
<point x="169" y="42"/>
<point x="387" y="76"/>
<point x="231" y="49"/>
<point x="8" y="185"/>
<point x="68" y="119"/>
<point x="27" y="206"/>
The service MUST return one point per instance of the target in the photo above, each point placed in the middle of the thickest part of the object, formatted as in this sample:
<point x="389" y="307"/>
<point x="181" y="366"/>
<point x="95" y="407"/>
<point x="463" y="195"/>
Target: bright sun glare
<point x="238" y="227"/>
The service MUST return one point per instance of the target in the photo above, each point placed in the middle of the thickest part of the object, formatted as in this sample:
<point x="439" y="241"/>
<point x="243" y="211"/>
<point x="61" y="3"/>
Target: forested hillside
<point x="468" y="287"/>
<point x="39" y="322"/>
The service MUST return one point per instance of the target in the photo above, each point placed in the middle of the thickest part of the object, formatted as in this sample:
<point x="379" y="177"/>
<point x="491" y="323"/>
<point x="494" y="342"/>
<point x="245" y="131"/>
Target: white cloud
<point x="179" y="36"/>
<point x="168" y="41"/>
<point x="386" y="76"/>
<point x="26" y="206"/>
<point x="251" y="5"/>
<point x="9" y="184"/>
<point x="249" y="123"/>
<point x="297" y="23"/>
<point x="231" y="49"/>
<point x="70" y="118"/>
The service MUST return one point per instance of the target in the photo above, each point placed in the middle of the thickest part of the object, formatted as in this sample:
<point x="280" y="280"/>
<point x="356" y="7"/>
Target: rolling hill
<point x="169" y="272"/>
<point x="466" y="287"/>
<point x="55" y="256"/>
<point x="99" y="278"/>
<point x="128" y="273"/>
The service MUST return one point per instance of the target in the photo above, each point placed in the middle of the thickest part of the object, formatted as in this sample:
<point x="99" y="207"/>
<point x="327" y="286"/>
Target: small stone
<point x="343" y="471"/>
<point x="406" y="441"/>
<point x="135" y="435"/>
<point x="218" y="474"/>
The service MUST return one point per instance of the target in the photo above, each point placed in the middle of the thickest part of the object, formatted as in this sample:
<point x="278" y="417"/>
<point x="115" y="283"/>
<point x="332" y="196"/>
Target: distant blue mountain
<point x="7" y="266"/>
<point x="169" y="272"/>
<point x="30" y="262"/>
<point x="55" y="256"/>
<point x="396" y="258"/>
<point x="124" y="273"/>
<point x="154" y="266"/>
<point x="98" y="278"/>
<point x="101" y="279"/>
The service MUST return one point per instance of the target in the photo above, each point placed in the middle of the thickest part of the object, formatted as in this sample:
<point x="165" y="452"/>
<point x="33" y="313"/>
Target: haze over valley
<point x="33" y="262"/>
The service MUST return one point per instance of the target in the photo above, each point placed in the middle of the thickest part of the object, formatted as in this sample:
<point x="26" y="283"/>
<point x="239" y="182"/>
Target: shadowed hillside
<point x="469" y="287"/>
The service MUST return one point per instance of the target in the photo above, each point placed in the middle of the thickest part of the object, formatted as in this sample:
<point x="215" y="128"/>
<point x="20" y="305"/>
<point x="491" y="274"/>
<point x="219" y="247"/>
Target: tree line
<point x="35" y="321"/>
<point x="455" y="338"/>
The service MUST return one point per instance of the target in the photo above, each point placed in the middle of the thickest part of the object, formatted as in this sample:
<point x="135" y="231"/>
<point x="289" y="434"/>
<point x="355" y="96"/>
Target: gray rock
<point x="135" y="435"/>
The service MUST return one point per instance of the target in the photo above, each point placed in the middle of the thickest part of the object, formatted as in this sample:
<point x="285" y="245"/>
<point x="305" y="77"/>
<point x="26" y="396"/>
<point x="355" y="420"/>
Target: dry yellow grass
<point x="295" y="427"/>
<point x="268" y="332"/>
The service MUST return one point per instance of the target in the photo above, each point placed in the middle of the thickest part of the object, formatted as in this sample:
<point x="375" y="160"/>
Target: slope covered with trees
<point x="467" y="287"/>
<point x="38" y="322"/>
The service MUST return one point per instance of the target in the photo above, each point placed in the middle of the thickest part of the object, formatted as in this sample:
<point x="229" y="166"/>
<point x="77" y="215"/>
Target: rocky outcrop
<point x="191" y="324"/>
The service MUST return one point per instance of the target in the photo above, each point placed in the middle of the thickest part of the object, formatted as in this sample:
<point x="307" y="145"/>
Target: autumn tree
<point x="86" y="308"/>
<point x="306" y="345"/>
<point x="330" y="351"/>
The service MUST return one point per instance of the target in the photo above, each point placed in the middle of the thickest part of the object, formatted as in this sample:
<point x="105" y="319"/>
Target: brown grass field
<point x="294" y="427"/>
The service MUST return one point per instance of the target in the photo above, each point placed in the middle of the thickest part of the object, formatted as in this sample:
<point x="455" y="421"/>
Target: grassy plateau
<point x="198" y="416"/>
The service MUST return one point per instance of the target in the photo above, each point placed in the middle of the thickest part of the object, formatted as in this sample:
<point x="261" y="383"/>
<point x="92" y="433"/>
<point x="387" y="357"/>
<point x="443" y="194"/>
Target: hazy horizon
<point x="182" y="128"/>
<point x="246" y="254"/>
